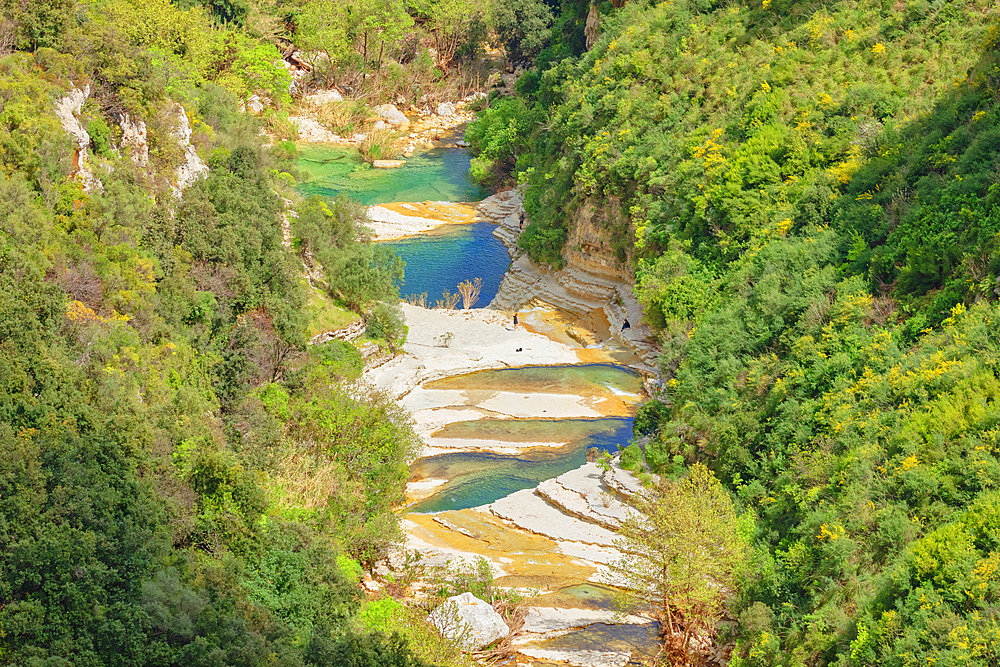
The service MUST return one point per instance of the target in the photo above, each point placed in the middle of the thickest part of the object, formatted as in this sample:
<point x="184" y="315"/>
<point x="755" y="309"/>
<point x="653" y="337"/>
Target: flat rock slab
<point x="579" y="658"/>
<point x="529" y="511"/>
<point x="581" y="492"/>
<point x="541" y="620"/>
<point x="388" y="164"/>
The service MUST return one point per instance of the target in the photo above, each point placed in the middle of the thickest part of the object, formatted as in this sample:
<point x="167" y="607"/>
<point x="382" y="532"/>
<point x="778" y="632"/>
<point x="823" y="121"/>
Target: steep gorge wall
<point x="592" y="279"/>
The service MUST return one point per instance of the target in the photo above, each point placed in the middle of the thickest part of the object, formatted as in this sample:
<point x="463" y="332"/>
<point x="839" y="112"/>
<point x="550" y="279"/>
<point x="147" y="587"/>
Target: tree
<point x="681" y="551"/>
<point x="470" y="290"/>
<point x="523" y="27"/>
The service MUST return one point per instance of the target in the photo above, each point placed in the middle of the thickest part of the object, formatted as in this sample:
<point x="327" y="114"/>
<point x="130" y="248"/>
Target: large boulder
<point x="470" y="621"/>
<point x="446" y="109"/>
<point x="392" y="115"/>
<point x="324" y="97"/>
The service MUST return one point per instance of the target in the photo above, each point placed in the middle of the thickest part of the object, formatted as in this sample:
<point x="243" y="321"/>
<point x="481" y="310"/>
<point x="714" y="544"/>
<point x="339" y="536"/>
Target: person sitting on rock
<point x="626" y="325"/>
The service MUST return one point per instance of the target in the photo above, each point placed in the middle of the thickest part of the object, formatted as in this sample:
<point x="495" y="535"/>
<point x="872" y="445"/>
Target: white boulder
<point x="445" y="109"/>
<point x="324" y="97"/>
<point x="469" y="620"/>
<point x="392" y="115"/>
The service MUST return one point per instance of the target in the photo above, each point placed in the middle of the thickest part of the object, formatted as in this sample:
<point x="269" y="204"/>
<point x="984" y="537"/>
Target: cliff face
<point x="588" y="247"/>
<point x="593" y="279"/>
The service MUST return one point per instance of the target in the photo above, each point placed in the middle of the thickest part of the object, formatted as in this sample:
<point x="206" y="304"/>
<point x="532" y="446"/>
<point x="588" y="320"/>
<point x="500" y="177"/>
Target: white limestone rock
<point x="392" y="115"/>
<point x="134" y="139"/>
<point x="67" y="111"/>
<point x="193" y="166"/>
<point x="324" y="97"/>
<point x="254" y="105"/>
<point x="471" y="621"/>
<point x="445" y="109"/>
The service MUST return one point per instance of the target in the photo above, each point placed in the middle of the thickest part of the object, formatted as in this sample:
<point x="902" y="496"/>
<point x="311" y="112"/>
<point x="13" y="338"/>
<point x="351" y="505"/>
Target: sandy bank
<point x="401" y="219"/>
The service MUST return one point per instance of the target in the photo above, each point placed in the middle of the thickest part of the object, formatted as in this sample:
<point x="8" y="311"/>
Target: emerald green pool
<point x="441" y="174"/>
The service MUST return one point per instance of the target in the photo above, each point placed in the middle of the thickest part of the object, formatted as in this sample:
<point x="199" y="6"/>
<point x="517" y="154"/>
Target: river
<point x="507" y="415"/>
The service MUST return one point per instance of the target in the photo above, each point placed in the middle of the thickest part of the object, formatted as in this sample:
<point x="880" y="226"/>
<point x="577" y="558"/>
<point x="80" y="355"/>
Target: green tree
<point x="523" y="27"/>
<point x="681" y="554"/>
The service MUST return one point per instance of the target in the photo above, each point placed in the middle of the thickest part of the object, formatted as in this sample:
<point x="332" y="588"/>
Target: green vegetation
<point x="807" y="196"/>
<point x="680" y="554"/>
<point x="182" y="480"/>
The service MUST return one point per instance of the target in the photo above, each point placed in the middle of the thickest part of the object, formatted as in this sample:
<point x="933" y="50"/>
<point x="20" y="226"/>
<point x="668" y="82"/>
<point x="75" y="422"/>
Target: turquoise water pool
<point x="438" y="260"/>
<point x="478" y="478"/>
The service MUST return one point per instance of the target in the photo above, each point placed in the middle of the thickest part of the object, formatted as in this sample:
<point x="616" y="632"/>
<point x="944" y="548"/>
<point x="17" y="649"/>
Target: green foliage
<point x="387" y="322"/>
<point x="36" y="24"/>
<point x="807" y="199"/>
<point x="522" y="26"/>
<point x="497" y="135"/>
<point x="358" y="273"/>
<point x="679" y="555"/>
<point x="155" y="503"/>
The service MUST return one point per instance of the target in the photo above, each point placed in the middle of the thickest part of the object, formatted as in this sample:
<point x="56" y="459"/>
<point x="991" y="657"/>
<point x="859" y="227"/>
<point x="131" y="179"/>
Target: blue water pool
<point x="442" y="258"/>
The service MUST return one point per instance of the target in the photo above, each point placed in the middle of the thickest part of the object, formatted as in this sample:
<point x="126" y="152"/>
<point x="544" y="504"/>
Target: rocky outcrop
<point x="592" y="279"/>
<point x="392" y="115"/>
<point x="445" y="109"/>
<point x="133" y="139"/>
<point x="352" y="331"/>
<point x="68" y="111"/>
<point x="193" y="166"/>
<point x="470" y="621"/>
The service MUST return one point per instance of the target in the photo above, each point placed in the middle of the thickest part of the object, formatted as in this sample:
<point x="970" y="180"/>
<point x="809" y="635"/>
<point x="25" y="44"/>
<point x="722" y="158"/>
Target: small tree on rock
<point x="681" y="553"/>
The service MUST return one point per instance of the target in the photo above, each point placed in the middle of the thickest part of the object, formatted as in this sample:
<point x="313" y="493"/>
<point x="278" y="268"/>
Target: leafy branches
<point x="681" y="553"/>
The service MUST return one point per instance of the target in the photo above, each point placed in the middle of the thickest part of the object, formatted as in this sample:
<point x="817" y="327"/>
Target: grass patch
<point x="324" y="315"/>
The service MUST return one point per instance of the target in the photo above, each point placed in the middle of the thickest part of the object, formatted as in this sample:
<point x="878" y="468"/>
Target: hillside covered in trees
<point x="807" y="194"/>
<point x="182" y="480"/>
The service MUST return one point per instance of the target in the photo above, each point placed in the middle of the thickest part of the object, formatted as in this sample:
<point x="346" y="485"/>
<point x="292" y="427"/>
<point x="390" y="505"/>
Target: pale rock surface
<point x="529" y="511"/>
<point x="193" y="166"/>
<point x="581" y="493"/>
<point x="254" y="105"/>
<point x="482" y="339"/>
<point x="392" y="115"/>
<point x="310" y="131"/>
<point x="388" y="164"/>
<point x="134" y="139"/>
<point x="323" y="97"/>
<point x="544" y="620"/>
<point x="579" y="658"/>
<point x="67" y="111"/>
<point x="587" y="283"/>
<point x="387" y="224"/>
<point x="445" y="109"/>
<point x="470" y="620"/>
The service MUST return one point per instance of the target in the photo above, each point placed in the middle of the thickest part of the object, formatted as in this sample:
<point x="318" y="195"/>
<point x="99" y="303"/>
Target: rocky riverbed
<point x="556" y="537"/>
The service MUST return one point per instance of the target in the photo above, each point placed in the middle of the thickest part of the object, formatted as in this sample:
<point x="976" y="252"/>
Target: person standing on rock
<point x="515" y="320"/>
<point x="520" y="224"/>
